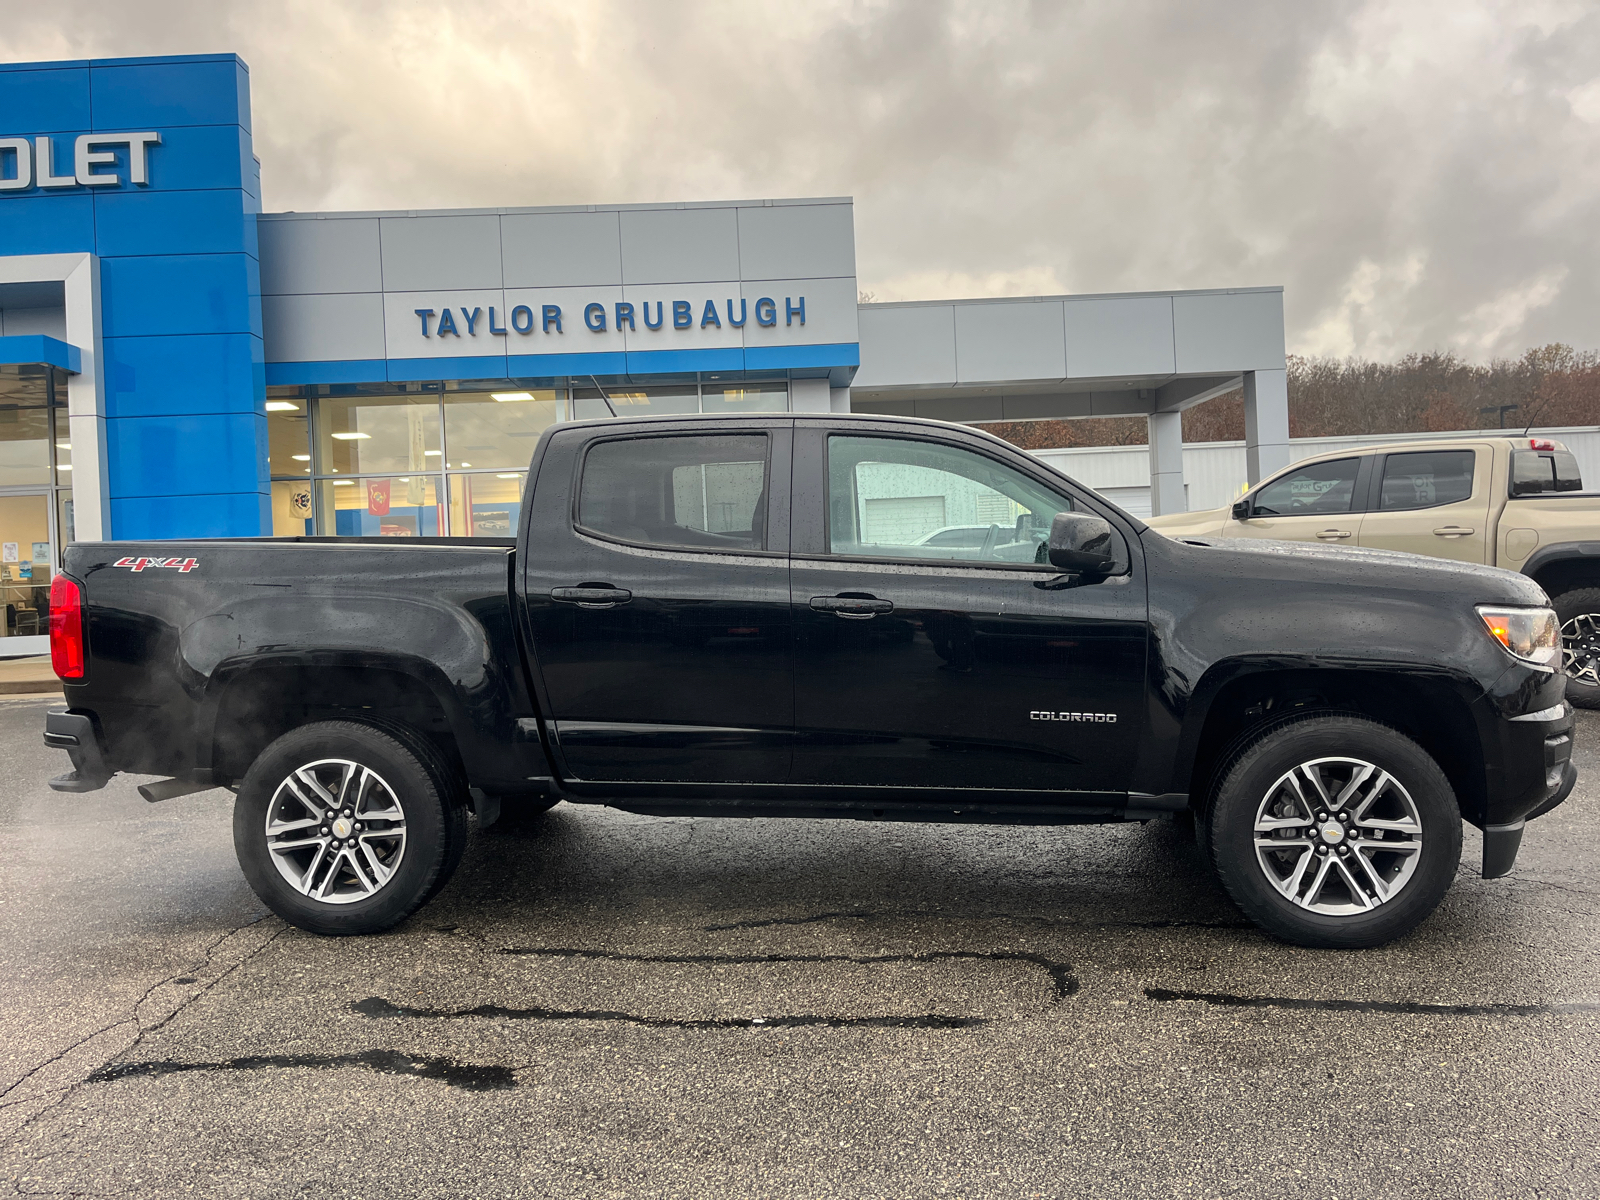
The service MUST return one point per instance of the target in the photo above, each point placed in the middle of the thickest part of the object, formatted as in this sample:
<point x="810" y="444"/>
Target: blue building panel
<point x="187" y="374"/>
<point x="37" y="99"/>
<point x="412" y="370"/>
<point x="236" y="514"/>
<point x="35" y="224"/>
<point x="553" y="366"/>
<point x="177" y="294"/>
<point x="192" y="456"/>
<point x="355" y="370"/>
<point x="207" y="222"/>
<point x="167" y="93"/>
<point x="661" y="362"/>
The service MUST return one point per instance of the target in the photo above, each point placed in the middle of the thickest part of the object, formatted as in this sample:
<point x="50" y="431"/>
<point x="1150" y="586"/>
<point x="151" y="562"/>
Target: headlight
<point x="1530" y="634"/>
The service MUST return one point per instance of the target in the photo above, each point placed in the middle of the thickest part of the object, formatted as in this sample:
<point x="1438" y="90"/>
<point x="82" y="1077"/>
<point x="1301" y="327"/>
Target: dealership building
<point x="174" y="362"/>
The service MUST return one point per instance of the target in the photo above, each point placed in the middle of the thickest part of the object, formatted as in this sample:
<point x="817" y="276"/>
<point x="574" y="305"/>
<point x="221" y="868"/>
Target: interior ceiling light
<point x="65" y="445"/>
<point x="466" y="464"/>
<point x="433" y="452"/>
<point x="282" y="406"/>
<point x="508" y="477"/>
<point x="508" y="397"/>
<point x="350" y="437"/>
<point x="301" y="457"/>
<point x="63" y="466"/>
<point x="344" y="483"/>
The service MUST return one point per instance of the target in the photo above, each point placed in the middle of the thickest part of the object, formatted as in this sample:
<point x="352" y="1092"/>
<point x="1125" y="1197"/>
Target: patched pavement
<point x="609" y="1005"/>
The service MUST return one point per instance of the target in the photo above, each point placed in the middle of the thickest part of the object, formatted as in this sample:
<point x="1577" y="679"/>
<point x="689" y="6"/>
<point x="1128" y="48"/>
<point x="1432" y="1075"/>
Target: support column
<point x="1266" y="423"/>
<point x="86" y="406"/>
<point x="809" y="395"/>
<point x="839" y="400"/>
<point x="1166" y="464"/>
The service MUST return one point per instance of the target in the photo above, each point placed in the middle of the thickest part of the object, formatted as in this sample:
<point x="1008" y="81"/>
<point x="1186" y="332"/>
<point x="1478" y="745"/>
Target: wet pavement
<point x="609" y="1005"/>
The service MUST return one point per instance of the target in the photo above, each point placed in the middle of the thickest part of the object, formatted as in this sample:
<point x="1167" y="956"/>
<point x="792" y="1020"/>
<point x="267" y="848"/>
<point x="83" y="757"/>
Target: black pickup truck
<point x="821" y="616"/>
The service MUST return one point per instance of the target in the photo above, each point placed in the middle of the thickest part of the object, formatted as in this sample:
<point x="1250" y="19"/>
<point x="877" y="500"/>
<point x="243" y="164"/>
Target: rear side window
<point x="1324" y="487"/>
<point x="692" y="492"/>
<point x="1536" y="471"/>
<point x="1426" y="479"/>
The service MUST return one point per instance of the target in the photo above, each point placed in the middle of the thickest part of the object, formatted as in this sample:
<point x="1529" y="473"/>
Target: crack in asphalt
<point x="1391" y="1007"/>
<point x="189" y="973"/>
<point x="470" y="1076"/>
<point x="377" y="1006"/>
<point x="1029" y="918"/>
<point x="1061" y="978"/>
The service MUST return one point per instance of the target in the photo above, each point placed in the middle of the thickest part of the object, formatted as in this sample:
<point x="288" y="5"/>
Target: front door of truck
<point x="1316" y="502"/>
<point x="657" y="591"/>
<point x="924" y="659"/>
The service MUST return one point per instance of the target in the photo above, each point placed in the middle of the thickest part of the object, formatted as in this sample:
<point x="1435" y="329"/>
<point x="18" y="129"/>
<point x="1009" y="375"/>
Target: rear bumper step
<point x="75" y="733"/>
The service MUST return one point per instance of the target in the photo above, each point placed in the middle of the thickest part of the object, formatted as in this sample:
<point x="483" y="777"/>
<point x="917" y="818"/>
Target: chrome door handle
<point x="591" y="596"/>
<point x="1453" y="531"/>
<point x="852" y="608"/>
<point x="1333" y="535"/>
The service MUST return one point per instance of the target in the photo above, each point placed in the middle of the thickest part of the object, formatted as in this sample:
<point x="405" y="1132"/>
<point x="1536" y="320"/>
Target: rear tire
<point x="1369" y="829"/>
<point x="1578" y="614"/>
<point x="342" y="828"/>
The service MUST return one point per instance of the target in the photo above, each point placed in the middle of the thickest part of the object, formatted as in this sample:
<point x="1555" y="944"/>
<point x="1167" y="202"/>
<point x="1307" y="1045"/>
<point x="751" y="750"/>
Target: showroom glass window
<point x="36" y="517"/>
<point x="900" y="498"/>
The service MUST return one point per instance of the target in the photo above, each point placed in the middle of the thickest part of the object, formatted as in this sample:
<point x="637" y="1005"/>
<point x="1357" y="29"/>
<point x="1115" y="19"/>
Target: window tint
<point x="889" y="498"/>
<point x="701" y="493"/>
<point x="1535" y="471"/>
<point x="1427" y="479"/>
<point x="1324" y="487"/>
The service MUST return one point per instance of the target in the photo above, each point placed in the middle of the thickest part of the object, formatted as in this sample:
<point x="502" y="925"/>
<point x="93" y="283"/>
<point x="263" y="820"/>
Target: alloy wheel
<point x="1338" y="836"/>
<point x="1580" y="649"/>
<point x="336" y="830"/>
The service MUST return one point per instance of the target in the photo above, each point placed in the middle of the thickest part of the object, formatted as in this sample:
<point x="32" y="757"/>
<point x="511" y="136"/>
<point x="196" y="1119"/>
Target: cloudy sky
<point x="1417" y="174"/>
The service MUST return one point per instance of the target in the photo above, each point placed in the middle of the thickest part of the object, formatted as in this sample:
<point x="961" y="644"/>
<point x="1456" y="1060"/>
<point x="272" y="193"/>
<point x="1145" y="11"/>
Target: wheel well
<point x="267" y="702"/>
<point x="1567" y="574"/>
<point x="1429" y="712"/>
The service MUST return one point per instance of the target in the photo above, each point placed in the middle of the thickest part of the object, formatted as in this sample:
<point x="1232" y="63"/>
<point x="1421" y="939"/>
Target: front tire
<point x="1335" y="832"/>
<point x="1578" y="614"/>
<point x="342" y="828"/>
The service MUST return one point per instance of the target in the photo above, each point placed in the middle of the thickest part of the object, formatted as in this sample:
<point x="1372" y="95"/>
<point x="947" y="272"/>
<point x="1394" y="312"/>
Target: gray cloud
<point x="1416" y="174"/>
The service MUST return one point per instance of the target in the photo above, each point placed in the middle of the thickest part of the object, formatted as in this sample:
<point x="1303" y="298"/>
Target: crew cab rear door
<point x="1433" y="502"/>
<point x="657" y="591"/>
<point x="925" y="665"/>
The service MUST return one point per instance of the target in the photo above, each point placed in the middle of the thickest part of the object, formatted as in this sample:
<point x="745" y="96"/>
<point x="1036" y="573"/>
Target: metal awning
<point x="27" y="349"/>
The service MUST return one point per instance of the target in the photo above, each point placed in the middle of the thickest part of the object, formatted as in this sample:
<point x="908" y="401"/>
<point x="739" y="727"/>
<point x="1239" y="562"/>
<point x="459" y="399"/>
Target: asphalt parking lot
<point x="609" y="1005"/>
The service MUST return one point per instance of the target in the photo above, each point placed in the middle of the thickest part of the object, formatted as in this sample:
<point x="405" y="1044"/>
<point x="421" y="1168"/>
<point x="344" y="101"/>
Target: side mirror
<point x="1081" y="544"/>
<point x="1241" y="510"/>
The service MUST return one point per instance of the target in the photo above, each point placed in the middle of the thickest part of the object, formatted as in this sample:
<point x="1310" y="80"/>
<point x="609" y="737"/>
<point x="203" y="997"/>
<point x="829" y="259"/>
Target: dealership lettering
<point x="26" y="162"/>
<point x="597" y="318"/>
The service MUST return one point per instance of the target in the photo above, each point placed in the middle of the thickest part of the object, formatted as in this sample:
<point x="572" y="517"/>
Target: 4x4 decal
<point x="138" y="564"/>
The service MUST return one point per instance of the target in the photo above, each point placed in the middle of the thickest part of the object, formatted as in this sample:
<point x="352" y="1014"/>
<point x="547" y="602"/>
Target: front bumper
<point x="1548" y="734"/>
<point x="75" y="733"/>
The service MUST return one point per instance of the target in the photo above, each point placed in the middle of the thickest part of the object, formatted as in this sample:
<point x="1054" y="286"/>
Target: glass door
<point x="27" y="561"/>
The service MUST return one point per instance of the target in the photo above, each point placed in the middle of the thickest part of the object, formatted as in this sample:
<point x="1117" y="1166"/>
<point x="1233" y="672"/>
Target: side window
<point x="695" y="492"/>
<point x="1427" y="479"/>
<point x="1324" y="487"/>
<point x="894" y="498"/>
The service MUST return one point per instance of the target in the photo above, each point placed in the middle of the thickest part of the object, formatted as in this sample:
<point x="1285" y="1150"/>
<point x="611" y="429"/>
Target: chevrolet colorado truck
<point x="743" y="616"/>
<point x="1509" y="502"/>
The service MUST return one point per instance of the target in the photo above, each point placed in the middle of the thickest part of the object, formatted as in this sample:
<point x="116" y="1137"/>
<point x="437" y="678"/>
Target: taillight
<point x="66" y="627"/>
<point x="1541" y="444"/>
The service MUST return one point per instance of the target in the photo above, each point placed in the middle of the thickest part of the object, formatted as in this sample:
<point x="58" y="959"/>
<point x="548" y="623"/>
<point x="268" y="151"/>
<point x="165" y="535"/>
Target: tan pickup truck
<point x="1515" y="502"/>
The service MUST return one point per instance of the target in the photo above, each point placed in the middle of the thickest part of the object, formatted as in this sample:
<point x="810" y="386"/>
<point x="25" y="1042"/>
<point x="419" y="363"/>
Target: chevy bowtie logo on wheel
<point x="185" y="565"/>
<point x="1091" y="718"/>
